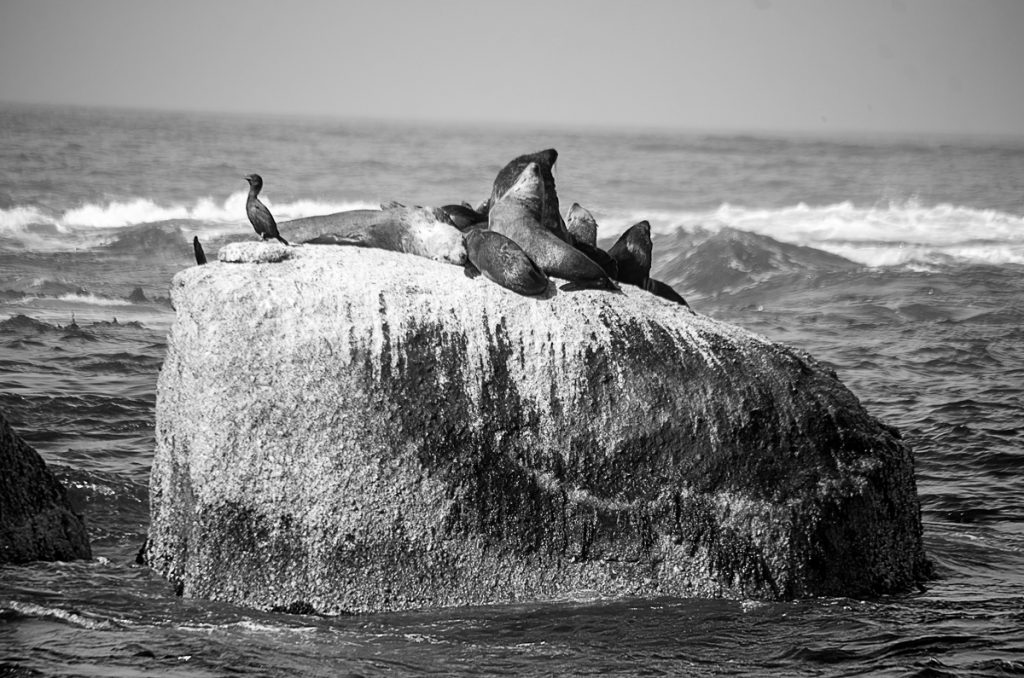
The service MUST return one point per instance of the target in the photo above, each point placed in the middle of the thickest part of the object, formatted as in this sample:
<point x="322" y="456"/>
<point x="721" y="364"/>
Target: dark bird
<point x="198" y="249"/>
<point x="259" y="216"/>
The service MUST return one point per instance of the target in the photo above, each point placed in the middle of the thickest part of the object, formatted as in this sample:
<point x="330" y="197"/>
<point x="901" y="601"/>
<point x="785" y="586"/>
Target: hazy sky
<point x="818" y="66"/>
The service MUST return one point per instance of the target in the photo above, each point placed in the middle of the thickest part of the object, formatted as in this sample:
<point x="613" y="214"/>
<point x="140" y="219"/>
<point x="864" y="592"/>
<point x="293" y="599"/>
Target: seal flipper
<point x="470" y="270"/>
<point x="591" y="284"/>
<point x="664" y="291"/>
<point x="198" y="249"/>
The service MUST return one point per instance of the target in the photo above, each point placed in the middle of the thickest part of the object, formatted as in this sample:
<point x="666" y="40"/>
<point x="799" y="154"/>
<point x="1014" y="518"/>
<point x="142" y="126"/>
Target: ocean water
<point x="898" y="262"/>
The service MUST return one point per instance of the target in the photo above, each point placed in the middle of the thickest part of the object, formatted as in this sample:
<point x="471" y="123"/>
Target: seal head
<point x="582" y="225"/>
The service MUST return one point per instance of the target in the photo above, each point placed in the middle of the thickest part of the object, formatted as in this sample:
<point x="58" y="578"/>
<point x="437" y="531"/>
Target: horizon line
<point x="891" y="134"/>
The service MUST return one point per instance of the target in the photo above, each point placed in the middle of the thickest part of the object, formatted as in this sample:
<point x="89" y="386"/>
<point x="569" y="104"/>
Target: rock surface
<point x="355" y="430"/>
<point x="36" y="520"/>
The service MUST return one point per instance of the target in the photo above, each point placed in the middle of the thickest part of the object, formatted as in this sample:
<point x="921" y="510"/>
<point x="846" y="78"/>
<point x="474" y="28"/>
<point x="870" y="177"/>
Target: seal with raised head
<point x="423" y="231"/>
<point x="259" y="216"/>
<point x="502" y="261"/>
<point x="581" y="225"/>
<point x="632" y="252"/>
<point x="583" y="236"/>
<point x="550" y="217"/>
<point x="513" y="215"/>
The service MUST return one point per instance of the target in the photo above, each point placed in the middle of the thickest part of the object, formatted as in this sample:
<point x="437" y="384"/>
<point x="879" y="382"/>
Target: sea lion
<point x="422" y="231"/>
<point x="513" y="216"/>
<point x="550" y="218"/>
<point x="601" y="258"/>
<point x="581" y="225"/>
<point x="504" y="262"/>
<point x="632" y="252"/>
<point x="259" y="216"/>
<point x="664" y="291"/>
<point x="464" y="216"/>
<point x="197" y="248"/>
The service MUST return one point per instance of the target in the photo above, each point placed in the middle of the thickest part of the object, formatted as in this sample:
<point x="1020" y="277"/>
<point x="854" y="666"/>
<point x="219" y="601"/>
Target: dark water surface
<point x="900" y="263"/>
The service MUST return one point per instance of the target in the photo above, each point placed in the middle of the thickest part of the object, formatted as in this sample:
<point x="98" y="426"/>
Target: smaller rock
<point x="36" y="519"/>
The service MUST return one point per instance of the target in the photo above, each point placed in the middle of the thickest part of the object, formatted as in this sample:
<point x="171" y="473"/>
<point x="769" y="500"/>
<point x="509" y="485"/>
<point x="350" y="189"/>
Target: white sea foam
<point x="119" y="214"/>
<point x="892" y="235"/>
<point x="17" y="218"/>
<point x="93" y="300"/>
<point x="74" y="618"/>
<point x="895" y="234"/>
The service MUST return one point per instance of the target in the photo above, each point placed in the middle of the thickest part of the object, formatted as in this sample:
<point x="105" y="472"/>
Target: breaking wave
<point x="896" y="234"/>
<point x="37" y="227"/>
<point x="893" y="235"/>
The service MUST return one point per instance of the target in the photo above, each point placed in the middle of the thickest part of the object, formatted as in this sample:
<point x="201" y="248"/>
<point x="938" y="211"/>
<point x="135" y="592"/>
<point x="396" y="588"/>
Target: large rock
<point x="36" y="519"/>
<point x="354" y="429"/>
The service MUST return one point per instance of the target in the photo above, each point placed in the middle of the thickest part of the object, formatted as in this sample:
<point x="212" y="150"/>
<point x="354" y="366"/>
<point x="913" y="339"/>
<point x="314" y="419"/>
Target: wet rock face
<point x="354" y="430"/>
<point x="36" y="519"/>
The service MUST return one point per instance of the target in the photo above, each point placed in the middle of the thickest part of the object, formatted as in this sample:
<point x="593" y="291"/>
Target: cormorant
<point x="259" y="216"/>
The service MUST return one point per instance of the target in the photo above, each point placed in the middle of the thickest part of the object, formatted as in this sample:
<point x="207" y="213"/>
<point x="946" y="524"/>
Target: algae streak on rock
<point x="354" y="430"/>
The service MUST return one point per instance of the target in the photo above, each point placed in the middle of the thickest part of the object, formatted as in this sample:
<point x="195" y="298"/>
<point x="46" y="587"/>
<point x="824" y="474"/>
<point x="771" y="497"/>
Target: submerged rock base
<point x="359" y="430"/>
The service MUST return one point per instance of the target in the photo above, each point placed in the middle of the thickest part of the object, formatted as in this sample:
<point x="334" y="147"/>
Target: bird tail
<point x="283" y="241"/>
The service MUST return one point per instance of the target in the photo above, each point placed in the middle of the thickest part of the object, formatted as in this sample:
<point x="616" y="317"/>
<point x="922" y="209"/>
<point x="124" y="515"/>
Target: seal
<point x="582" y="229"/>
<point x="664" y="291"/>
<point x="259" y="216"/>
<point x="601" y="258"/>
<point x="581" y="225"/>
<point x="421" y="231"/>
<point x="632" y="252"/>
<point x="502" y="261"/>
<point x="514" y="216"/>
<point x="464" y="216"/>
<point x="197" y="248"/>
<point x="550" y="217"/>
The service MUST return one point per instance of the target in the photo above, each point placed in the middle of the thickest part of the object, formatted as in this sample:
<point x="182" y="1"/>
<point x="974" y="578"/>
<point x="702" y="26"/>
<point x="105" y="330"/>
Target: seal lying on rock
<point x="504" y="262"/>
<point x="550" y="218"/>
<point x="513" y="215"/>
<point x="414" y="230"/>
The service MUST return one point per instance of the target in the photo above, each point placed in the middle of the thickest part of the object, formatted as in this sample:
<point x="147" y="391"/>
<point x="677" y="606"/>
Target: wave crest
<point x="36" y="228"/>
<point x="890" y="235"/>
